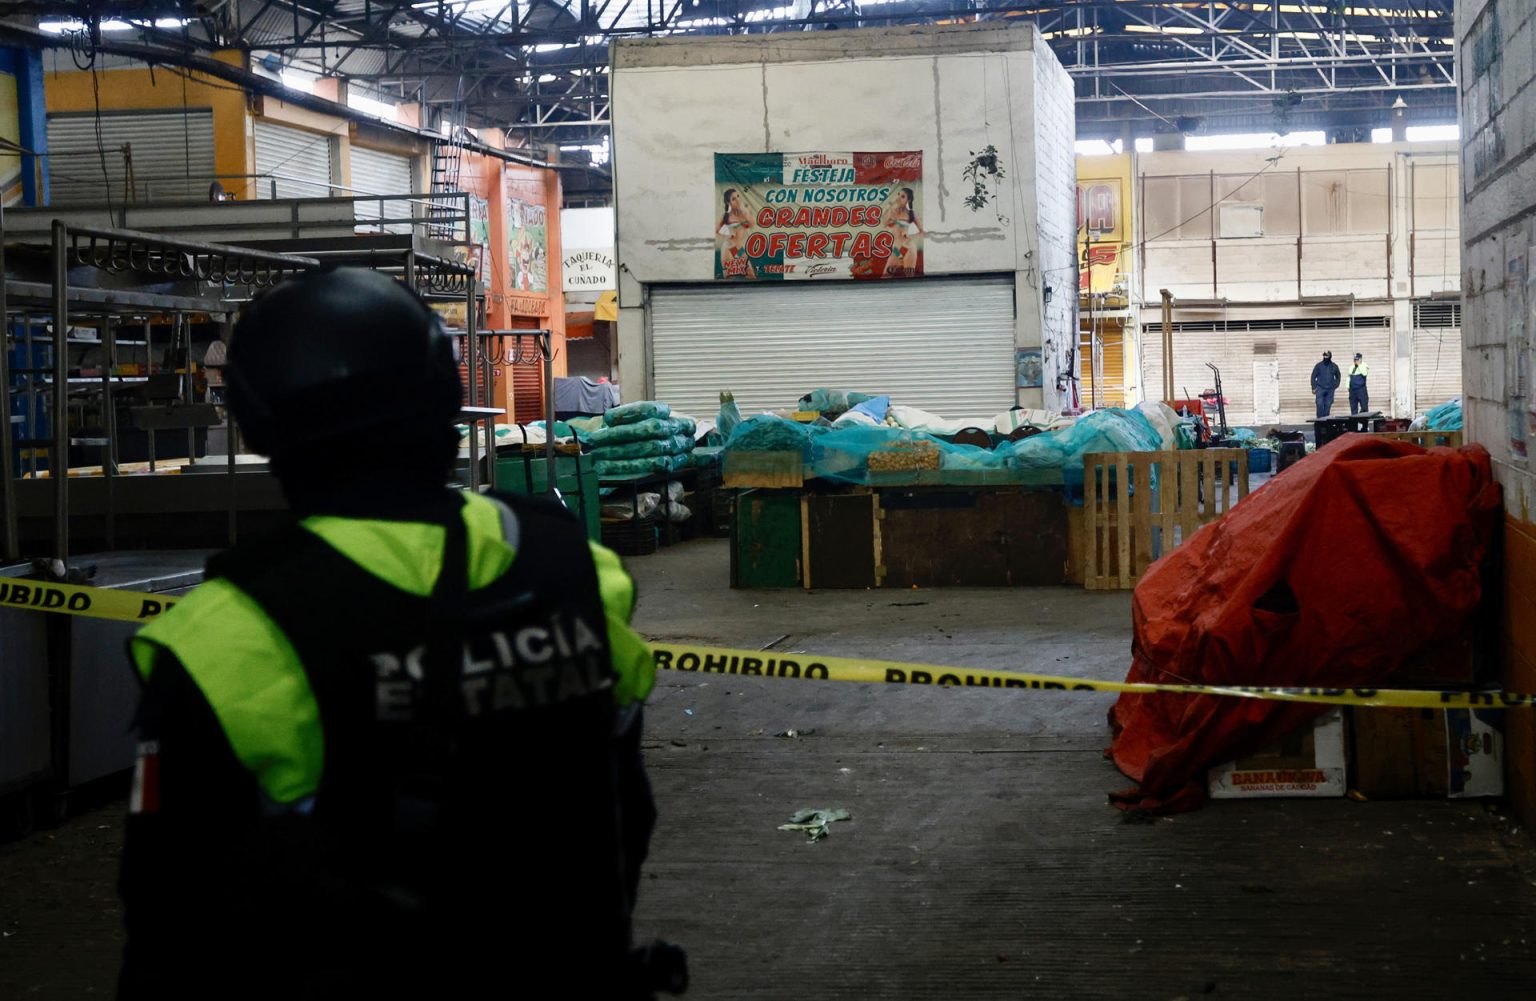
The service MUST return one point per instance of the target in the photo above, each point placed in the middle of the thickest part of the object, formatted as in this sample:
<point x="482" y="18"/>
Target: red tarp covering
<point x="1334" y="574"/>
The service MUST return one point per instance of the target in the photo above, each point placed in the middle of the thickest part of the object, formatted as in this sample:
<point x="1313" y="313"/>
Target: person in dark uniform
<point x="1359" y="392"/>
<point x="394" y="750"/>
<point x="1325" y="381"/>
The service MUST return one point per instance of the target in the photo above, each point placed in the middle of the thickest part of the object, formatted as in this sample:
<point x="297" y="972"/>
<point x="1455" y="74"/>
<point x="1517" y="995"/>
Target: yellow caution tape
<point x="139" y="606"/>
<point x="79" y="599"/>
<point x="806" y="667"/>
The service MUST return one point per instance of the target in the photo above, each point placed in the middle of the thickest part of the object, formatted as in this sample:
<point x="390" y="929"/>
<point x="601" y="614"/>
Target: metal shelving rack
<point x="436" y="279"/>
<point x="133" y="270"/>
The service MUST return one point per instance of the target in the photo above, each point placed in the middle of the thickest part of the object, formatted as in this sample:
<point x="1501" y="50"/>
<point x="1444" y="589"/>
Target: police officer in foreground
<point x="394" y="751"/>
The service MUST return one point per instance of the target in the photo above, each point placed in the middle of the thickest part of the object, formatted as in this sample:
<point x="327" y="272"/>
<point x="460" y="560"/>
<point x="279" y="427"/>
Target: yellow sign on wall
<point x="1104" y="224"/>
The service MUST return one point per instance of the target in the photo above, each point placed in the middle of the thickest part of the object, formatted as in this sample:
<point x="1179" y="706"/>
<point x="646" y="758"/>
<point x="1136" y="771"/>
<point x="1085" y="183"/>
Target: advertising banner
<point x="792" y="216"/>
<point x="527" y="246"/>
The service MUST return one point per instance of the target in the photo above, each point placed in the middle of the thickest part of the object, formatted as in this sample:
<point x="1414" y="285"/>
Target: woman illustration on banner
<point x="731" y="236"/>
<point x="902" y="220"/>
<point x="524" y="263"/>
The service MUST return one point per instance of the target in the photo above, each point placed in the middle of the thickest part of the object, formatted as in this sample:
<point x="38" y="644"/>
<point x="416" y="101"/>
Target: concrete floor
<point x="981" y="860"/>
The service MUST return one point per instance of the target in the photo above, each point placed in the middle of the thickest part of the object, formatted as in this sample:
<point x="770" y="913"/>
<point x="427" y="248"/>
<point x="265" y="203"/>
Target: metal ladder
<point x="447" y="167"/>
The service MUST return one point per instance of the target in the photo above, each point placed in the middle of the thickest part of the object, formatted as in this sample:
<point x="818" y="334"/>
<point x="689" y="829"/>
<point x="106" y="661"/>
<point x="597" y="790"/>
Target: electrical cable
<point x="101" y="142"/>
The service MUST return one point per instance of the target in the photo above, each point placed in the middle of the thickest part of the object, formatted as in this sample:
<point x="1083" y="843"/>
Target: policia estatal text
<point x="394" y="751"/>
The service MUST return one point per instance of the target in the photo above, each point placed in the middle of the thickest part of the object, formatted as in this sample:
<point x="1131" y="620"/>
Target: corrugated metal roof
<point x="275" y="25"/>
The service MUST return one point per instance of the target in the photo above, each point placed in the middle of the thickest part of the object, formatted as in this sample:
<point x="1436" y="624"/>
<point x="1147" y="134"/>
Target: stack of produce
<point x="639" y="438"/>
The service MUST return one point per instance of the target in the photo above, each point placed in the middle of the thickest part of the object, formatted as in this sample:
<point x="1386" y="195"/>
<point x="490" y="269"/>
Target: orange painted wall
<point x="495" y="180"/>
<point x="1519" y="634"/>
<point x="141" y="89"/>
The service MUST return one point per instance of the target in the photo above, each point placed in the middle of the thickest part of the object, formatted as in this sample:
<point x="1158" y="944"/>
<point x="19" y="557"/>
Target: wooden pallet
<point x="1171" y="495"/>
<point x="1425" y="439"/>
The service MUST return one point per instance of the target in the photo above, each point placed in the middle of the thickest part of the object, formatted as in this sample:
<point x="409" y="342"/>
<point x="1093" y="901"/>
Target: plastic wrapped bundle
<point x="639" y="467"/>
<point x="645" y="430"/>
<point x="873" y="456"/>
<point x="767" y="433"/>
<point x="674" y="445"/>
<point x="729" y="416"/>
<point x="1041" y="458"/>
<point x="1445" y="417"/>
<point x="630" y="413"/>
<point x="832" y="402"/>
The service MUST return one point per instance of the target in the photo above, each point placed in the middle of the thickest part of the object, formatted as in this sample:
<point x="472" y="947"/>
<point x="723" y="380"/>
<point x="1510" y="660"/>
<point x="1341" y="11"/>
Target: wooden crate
<point x="1139" y="506"/>
<point x="972" y="538"/>
<point x="763" y="469"/>
<point x="839" y="540"/>
<point x="766" y="539"/>
<point x="1425" y="439"/>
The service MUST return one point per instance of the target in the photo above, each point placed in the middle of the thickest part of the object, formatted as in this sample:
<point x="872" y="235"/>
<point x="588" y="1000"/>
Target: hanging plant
<point x="984" y="171"/>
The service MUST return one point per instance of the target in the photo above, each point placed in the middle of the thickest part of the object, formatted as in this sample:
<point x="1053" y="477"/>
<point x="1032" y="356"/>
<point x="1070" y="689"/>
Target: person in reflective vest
<point x="391" y="750"/>
<point x="1359" y="393"/>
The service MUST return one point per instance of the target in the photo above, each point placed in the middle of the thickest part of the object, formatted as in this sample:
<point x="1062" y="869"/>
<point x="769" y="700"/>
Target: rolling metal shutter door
<point x="172" y="156"/>
<point x="301" y="160"/>
<point x="1296" y="351"/>
<point x="1299" y="350"/>
<point x="943" y="345"/>
<point x="1112" y="346"/>
<point x="1230" y="351"/>
<point x="1436" y="367"/>
<point x="378" y="173"/>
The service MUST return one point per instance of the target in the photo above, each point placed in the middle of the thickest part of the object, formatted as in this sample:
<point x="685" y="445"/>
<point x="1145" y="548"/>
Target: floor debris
<point x="814" y="822"/>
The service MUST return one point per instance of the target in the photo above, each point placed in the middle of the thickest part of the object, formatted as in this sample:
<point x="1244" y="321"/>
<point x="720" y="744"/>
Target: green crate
<point x="511" y="479"/>
<point x="765" y="539"/>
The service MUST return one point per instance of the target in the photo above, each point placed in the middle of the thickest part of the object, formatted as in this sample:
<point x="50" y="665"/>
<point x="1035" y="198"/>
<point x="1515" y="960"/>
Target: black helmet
<point x="335" y="352"/>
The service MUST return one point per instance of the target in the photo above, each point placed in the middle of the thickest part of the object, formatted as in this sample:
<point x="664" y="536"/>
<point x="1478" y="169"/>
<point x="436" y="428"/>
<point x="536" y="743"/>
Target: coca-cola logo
<point x="907" y="161"/>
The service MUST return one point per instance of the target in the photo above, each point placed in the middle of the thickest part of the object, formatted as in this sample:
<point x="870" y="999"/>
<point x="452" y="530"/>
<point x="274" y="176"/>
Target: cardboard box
<point x="1404" y="753"/>
<point x="1308" y="762"/>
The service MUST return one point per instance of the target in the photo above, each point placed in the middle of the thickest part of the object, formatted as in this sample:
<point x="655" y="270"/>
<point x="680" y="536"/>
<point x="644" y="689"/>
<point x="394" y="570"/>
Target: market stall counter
<point x="871" y="505"/>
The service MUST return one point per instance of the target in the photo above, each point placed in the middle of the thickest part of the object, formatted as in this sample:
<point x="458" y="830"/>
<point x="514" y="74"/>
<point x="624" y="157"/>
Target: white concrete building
<point x="997" y="281"/>
<point x="1274" y="256"/>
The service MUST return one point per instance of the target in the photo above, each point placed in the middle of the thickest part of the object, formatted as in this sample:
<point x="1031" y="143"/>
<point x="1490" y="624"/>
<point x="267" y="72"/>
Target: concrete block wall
<point x="1056" y="191"/>
<point x="1496" y="46"/>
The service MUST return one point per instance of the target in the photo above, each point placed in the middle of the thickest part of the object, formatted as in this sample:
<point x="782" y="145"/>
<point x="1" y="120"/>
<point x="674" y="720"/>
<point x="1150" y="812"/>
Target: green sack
<point x="639" y="467"/>
<point x="646" y="430"/>
<point x="630" y="413"/>
<point x="674" y="445"/>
